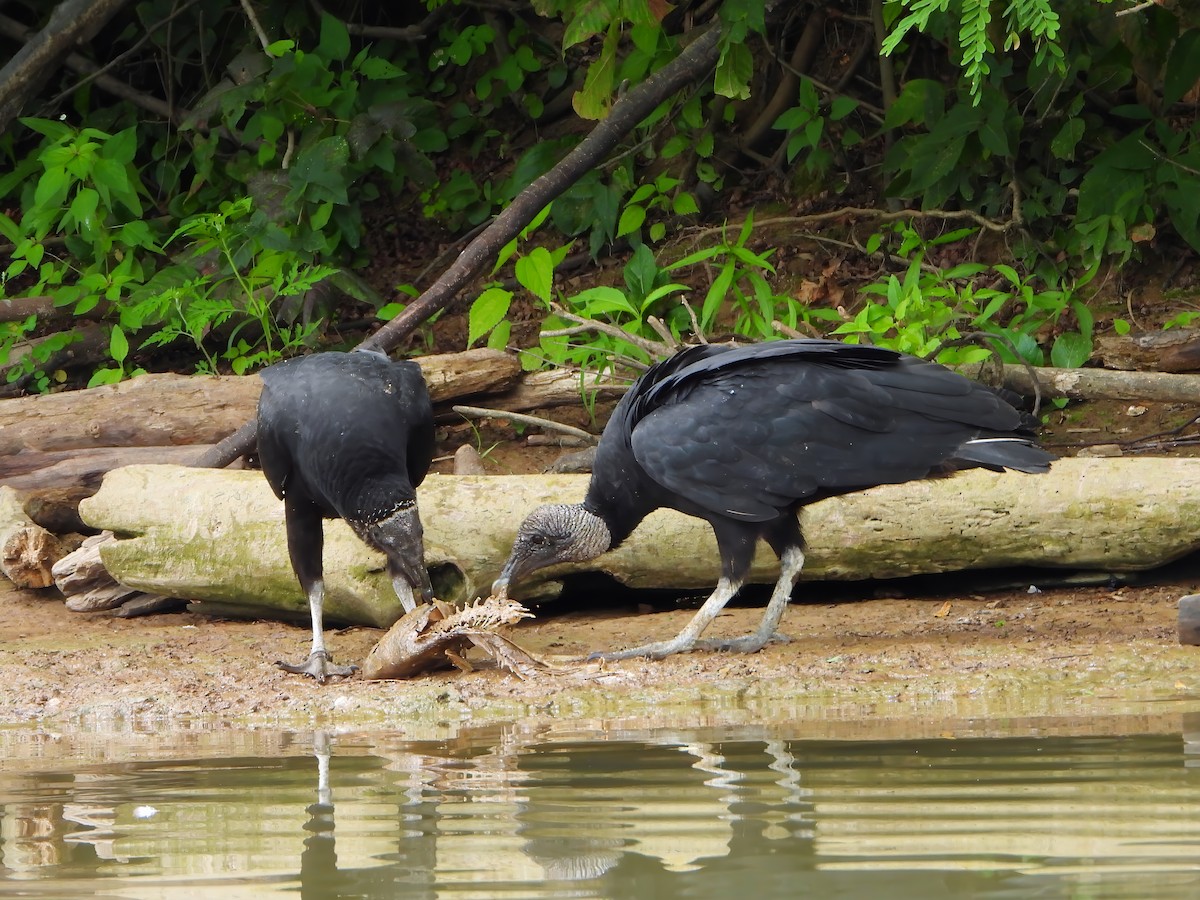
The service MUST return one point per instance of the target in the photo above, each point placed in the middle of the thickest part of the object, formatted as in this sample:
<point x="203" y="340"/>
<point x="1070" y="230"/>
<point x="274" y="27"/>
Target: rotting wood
<point x="1173" y="350"/>
<point x="219" y="536"/>
<point x="27" y="551"/>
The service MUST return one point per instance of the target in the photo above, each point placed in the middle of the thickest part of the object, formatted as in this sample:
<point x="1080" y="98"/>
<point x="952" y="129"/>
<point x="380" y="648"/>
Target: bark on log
<point x="27" y="551"/>
<point x="214" y="535"/>
<point x="164" y="410"/>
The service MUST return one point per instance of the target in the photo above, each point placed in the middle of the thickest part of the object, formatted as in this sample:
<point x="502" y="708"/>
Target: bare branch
<point x="522" y="418"/>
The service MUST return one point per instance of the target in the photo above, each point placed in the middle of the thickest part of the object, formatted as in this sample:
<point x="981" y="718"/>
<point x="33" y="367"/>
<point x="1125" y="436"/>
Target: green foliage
<point x="927" y="307"/>
<point x="80" y="185"/>
<point x="805" y="124"/>
<point x="240" y="290"/>
<point x="974" y="43"/>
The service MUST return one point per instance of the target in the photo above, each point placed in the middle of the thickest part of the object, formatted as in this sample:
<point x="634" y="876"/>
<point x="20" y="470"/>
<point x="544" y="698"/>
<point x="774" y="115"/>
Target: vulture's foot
<point x="751" y="643"/>
<point x="319" y="665"/>
<point x="657" y="650"/>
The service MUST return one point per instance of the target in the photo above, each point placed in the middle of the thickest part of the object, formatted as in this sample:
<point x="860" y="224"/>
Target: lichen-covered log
<point x="219" y="536"/>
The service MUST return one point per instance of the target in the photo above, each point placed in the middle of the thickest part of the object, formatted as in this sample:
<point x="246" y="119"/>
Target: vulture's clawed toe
<point x="318" y="666"/>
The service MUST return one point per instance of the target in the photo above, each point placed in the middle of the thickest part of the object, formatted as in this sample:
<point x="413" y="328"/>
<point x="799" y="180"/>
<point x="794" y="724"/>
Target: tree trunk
<point x="219" y="536"/>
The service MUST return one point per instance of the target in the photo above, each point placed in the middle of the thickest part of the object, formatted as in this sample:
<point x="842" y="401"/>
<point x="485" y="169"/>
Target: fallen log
<point x="164" y="410"/>
<point x="214" y="535"/>
<point x="27" y="551"/>
<point x="1100" y="384"/>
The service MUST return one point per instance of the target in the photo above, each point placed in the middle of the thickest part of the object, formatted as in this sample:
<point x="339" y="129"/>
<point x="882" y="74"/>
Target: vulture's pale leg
<point x="686" y="639"/>
<point x="790" y="564"/>
<point x="319" y="664"/>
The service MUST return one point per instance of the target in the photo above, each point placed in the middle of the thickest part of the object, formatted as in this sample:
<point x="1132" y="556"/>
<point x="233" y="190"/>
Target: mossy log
<point x="219" y="536"/>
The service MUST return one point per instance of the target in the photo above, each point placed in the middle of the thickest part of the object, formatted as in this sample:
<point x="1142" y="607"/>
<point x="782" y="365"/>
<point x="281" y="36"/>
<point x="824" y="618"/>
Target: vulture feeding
<point x="743" y="437"/>
<point x="349" y="436"/>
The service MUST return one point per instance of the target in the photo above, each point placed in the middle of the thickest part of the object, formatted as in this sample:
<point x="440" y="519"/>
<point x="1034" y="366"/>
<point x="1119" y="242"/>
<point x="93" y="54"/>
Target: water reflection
<point x="633" y="813"/>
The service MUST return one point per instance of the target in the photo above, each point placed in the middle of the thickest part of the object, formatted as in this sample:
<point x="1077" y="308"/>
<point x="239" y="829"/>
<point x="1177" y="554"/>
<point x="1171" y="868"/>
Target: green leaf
<point x="1183" y="67"/>
<point x="715" y="298"/>
<point x="498" y="339"/>
<point x="375" y="68"/>
<point x="1064" y="143"/>
<point x="118" y="344"/>
<point x="603" y="299"/>
<point x="919" y="97"/>
<point x="104" y="376"/>
<point x="335" y="39"/>
<point x="319" y="172"/>
<point x="535" y="272"/>
<point x="1120" y="326"/>
<point x="590" y="17"/>
<point x="593" y="99"/>
<point x="50" y="128"/>
<point x="632" y="218"/>
<point x="734" y="70"/>
<point x="9" y="229"/>
<point x="1070" y="350"/>
<point x="488" y="310"/>
<point x="684" y="204"/>
<point x="841" y="107"/>
<point x="279" y="48"/>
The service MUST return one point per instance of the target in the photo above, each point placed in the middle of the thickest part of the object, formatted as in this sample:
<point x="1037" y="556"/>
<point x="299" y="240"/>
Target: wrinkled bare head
<point x="555" y="533"/>
<point x="400" y="537"/>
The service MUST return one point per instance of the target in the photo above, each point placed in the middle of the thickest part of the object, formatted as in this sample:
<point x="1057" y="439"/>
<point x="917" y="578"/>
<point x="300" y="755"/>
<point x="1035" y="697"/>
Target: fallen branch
<point x="535" y="421"/>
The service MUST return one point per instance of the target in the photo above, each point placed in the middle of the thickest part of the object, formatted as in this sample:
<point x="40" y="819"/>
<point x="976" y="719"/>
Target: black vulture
<point x="743" y="437"/>
<point x="349" y="436"/>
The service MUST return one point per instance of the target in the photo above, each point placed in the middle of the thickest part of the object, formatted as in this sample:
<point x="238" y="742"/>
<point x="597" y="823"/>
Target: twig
<point x="654" y="348"/>
<point x="537" y="421"/>
<point x="1138" y="8"/>
<point x="120" y="57"/>
<point x="788" y="331"/>
<point x="696" y="329"/>
<point x="417" y="32"/>
<point x="254" y="23"/>
<point x="663" y="331"/>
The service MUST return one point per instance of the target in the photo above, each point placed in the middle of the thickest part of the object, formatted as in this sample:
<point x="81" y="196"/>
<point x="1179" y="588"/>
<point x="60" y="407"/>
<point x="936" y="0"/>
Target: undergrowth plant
<point x="926" y="307"/>
<point x="230" y="289"/>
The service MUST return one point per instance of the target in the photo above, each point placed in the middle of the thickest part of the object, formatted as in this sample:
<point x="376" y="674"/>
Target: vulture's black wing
<point x="746" y="433"/>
